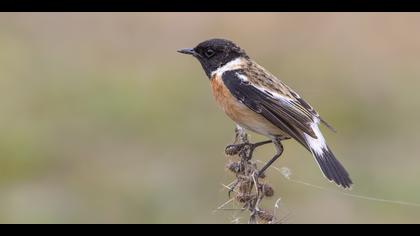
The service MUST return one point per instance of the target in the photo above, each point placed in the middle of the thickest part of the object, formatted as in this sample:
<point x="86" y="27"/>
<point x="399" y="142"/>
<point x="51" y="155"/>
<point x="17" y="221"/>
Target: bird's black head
<point x="215" y="53"/>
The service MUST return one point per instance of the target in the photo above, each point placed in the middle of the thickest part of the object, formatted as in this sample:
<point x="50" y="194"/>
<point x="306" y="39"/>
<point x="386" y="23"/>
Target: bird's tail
<point x="330" y="166"/>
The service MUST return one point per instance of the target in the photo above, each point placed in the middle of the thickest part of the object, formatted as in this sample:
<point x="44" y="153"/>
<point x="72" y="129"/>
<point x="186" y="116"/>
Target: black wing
<point x="287" y="115"/>
<point x="290" y="115"/>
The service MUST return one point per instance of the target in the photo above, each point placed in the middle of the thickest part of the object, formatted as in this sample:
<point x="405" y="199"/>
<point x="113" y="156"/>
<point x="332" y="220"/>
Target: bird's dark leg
<point x="252" y="146"/>
<point x="262" y="143"/>
<point x="279" y="151"/>
<point x="242" y="146"/>
<point x="245" y="150"/>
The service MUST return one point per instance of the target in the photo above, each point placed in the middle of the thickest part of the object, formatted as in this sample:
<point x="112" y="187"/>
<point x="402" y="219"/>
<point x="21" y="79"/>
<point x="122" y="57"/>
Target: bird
<point x="258" y="101"/>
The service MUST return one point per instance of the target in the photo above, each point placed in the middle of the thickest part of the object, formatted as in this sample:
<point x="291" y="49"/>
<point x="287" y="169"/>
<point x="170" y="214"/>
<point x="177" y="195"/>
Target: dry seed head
<point x="232" y="150"/>
<point x="245" y="186"/>
<point x="267" y="190"/>
<point x="245" y="197"/>
<point x="265" y="216"/>
<point x="235" y="167"/>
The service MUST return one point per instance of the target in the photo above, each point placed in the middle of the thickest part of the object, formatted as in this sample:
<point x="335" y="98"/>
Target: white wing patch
<point x="318" y="144"/>
<point x="277" y="96"/>
<point x="242" y="77"/>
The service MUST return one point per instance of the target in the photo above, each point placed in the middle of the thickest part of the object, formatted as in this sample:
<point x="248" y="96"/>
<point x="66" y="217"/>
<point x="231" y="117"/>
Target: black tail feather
<point x="332" y="168"/>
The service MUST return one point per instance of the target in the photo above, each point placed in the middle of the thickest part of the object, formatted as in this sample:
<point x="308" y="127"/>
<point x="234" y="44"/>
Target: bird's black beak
<point x="189" y="51"/>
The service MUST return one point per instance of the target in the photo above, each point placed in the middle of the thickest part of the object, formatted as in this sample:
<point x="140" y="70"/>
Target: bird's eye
<point x="209" y="53"/>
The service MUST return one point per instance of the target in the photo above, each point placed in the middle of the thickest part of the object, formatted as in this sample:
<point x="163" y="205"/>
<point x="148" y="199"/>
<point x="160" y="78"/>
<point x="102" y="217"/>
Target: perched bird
<point x="256" y="100"/>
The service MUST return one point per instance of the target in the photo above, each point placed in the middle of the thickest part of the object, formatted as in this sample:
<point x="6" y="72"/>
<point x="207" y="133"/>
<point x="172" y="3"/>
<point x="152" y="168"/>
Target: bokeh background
<point x="103" y="122"/>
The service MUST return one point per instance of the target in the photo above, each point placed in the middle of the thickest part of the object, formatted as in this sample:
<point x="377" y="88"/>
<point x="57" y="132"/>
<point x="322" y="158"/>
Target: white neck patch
<point x="235" y="64"/>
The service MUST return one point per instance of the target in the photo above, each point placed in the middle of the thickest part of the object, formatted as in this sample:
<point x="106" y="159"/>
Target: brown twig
<point x="248" y="189"/>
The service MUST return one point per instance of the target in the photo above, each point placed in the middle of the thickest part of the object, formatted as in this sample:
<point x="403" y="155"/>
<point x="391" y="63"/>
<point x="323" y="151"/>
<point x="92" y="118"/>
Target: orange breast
<point x="240" y="113"/>
<point x="226" y="101"/>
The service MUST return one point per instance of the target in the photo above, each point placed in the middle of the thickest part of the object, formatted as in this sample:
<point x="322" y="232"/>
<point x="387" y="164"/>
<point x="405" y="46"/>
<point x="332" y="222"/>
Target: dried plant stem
<point x="248" y="189"/>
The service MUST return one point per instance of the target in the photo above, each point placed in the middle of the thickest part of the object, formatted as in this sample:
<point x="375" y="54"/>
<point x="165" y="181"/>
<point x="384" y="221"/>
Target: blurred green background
<point x="103" y="122"/>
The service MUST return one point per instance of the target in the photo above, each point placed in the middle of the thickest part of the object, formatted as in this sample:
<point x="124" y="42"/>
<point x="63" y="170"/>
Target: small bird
<point x="258" y="101"/>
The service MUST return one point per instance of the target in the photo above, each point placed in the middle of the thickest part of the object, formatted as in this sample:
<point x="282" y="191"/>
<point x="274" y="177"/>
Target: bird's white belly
<point x="260" y="126"/>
